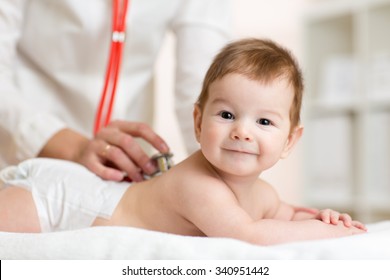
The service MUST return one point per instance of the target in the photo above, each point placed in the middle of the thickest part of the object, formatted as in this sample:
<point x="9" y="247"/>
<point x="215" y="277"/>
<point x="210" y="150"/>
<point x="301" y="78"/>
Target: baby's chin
<point x="235" y="163"/>
<point x="239" y="169"/>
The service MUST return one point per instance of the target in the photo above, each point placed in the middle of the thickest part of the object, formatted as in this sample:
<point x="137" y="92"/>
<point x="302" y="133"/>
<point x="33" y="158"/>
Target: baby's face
<point x="245" y="124"/>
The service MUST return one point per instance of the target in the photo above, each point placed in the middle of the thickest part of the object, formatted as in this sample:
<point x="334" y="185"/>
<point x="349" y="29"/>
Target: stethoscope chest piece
<point x="163" y="161"/>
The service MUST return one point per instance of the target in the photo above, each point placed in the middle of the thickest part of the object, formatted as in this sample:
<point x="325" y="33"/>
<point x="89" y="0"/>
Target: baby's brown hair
<point x="261" y="60"/>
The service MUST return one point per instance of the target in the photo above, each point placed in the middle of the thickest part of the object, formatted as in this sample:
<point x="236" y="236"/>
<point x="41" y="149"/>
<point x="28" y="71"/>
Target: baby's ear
<point x="292" y="139"/>
<point x="197" y="114"/>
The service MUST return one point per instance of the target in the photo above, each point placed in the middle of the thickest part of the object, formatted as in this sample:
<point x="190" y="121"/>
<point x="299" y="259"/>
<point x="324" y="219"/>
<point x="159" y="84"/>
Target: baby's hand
<point x="330" y="216"/>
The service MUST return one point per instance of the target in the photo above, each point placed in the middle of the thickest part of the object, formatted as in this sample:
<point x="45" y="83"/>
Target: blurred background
<point x="343" y="47"/>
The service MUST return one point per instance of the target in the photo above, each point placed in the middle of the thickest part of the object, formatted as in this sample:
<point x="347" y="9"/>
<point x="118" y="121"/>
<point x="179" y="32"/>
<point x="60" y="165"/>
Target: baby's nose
<point x="242" y="133"/>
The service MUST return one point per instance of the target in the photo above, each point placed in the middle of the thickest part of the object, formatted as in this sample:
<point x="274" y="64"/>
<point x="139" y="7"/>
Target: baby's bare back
<point x="153" y="204"/>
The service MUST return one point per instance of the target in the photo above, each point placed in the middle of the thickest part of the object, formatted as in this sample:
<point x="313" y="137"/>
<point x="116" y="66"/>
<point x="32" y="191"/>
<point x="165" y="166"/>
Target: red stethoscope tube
<point x="103" y="113"/>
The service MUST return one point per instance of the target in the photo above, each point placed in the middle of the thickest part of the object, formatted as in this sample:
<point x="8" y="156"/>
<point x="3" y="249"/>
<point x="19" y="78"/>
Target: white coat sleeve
<point x="23" y="129"/>
<point x="202" y="28"/>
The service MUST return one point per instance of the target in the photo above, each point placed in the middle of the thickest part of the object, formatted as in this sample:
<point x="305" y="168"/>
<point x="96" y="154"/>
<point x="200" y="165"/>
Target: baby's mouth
<point x="240" y="151"/>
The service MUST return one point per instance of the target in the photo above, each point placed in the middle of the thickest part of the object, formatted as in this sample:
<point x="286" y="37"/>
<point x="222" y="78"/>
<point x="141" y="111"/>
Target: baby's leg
<point x="17" y="211"/>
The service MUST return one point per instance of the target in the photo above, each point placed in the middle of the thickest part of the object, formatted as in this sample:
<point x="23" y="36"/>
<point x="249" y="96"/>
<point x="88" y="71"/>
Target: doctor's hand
<point x="112" y="154"/>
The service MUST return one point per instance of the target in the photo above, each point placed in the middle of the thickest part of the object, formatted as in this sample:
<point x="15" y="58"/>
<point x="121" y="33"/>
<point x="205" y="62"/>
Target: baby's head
<point x="259" y="60"/>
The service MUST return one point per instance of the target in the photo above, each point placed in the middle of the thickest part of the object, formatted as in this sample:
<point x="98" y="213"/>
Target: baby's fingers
<point x="359" y="225"/>
<point x="347" y="220"/>
<point x="328" y="216"/>
<point x="334" y="217"/>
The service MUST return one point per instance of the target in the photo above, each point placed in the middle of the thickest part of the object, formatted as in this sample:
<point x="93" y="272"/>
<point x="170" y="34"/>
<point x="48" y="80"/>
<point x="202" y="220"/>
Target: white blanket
<point x="132" y="243"/>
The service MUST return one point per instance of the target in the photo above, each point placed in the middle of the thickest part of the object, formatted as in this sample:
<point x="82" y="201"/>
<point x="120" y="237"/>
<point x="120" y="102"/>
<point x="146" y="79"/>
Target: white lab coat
<point x="53" y="56"/>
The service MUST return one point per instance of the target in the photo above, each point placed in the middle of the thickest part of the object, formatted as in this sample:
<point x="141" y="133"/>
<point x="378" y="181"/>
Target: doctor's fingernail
<point x="150" y="168"/>
<point x="164" y="147"/>
<point x="137" y="178"/>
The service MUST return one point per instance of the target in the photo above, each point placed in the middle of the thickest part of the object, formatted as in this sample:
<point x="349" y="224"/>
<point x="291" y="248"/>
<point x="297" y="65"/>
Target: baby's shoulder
<point x="263" y="185"/>
<point x="195" y="174"/>
<point x="192" y="185"/>
<point x="265" y="190"/>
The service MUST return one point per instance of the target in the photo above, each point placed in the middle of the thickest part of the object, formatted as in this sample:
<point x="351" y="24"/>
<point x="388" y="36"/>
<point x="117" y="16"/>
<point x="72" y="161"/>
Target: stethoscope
<point x="104" y="111"/>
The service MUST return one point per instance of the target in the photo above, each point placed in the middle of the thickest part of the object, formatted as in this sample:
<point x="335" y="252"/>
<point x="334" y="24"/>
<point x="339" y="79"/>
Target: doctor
<point x="53" y="61"/>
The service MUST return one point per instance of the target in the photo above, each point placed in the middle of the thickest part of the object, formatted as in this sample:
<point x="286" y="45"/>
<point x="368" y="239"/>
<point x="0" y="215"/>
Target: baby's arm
<point x="217" y="212"/>
<point x="227" y="219"/>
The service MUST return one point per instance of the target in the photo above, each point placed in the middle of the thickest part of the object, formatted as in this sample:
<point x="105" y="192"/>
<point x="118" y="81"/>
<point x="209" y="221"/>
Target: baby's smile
<point x="241" y="151"/>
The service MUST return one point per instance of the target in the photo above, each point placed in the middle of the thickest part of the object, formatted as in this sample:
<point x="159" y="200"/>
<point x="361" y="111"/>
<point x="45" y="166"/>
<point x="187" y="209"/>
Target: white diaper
<point x="67" y="195"/>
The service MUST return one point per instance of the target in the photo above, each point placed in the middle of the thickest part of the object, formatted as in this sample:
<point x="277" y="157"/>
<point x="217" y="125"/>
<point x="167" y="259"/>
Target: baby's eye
<point x="226" y="115"/>
<point x="264" y="122"/>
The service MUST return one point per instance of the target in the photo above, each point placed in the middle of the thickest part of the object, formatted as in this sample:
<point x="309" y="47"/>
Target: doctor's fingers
<point x="95" y="163"/>
<point x="125" y="152"/>
<point x="105" y="172"/>
<point x="141" y="130"/>
<point x="109" y="162"/>
<point x="116" y="156"/>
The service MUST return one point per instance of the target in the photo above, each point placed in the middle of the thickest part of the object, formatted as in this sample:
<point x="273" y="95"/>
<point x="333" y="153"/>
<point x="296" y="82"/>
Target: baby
<point x="247" y="117"/>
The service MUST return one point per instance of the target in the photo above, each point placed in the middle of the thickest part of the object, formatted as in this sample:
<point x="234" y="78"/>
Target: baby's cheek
<point x="209" y="135"/>
<point x="270" y="155"/>
<point x="210" y="140"/>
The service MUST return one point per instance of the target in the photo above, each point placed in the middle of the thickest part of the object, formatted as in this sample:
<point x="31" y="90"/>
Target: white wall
<point x="279" y="20"/>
